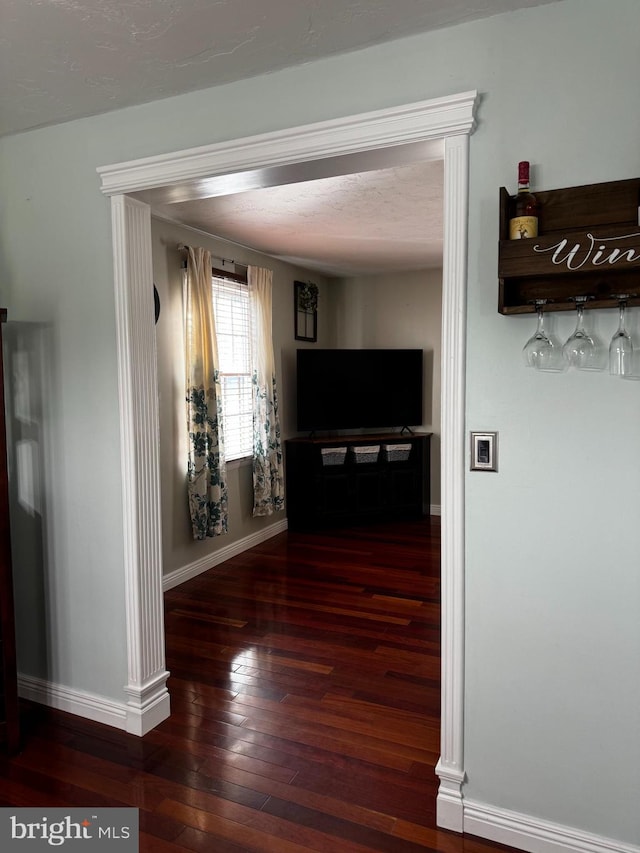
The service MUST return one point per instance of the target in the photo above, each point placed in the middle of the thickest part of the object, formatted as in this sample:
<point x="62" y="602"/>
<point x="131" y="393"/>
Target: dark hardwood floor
<point x="305" y="699"/>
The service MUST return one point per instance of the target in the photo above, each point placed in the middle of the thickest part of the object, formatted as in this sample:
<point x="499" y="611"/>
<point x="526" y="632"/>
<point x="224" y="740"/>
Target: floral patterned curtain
<point x="206" y="472"/>
<point x="268" y="477"/>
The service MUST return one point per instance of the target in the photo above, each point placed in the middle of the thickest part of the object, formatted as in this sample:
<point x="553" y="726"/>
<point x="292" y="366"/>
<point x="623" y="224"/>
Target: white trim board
<point x="450" y="119"/>
<point x="534" y="834"/>
<point x="436" y="118"/>
<point x="198" y="567"/>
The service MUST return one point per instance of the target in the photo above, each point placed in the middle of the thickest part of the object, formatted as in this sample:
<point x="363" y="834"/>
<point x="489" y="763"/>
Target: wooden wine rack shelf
<point x="588" y="246"/>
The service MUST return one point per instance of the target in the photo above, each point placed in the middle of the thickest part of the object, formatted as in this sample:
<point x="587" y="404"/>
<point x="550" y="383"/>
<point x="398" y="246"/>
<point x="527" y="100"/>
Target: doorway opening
<point x="241" y="162"/>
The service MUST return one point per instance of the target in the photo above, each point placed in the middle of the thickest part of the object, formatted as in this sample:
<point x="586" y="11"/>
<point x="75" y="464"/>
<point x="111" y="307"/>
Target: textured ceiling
<point x="63" y="59"/>
<point x="358" y="224"/>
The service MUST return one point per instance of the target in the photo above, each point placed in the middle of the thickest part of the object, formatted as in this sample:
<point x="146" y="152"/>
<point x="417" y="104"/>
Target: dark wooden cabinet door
<point x="335" y="494"/>
<point x="369" y="491"/>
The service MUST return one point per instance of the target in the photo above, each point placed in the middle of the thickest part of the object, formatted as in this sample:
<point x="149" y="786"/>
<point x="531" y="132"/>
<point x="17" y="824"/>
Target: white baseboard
<point x="533" y="834"/>
<point x="214" y="559"/>
<point x="88" y="705"/>
<point x="434" y="509"/>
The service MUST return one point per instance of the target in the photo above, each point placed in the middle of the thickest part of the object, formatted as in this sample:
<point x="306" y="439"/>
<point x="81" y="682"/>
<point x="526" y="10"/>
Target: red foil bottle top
<point x="523" y="172"/>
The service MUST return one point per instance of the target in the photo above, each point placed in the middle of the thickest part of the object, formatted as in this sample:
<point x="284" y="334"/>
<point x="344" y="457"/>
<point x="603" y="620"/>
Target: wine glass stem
<point x="621" y="326"/>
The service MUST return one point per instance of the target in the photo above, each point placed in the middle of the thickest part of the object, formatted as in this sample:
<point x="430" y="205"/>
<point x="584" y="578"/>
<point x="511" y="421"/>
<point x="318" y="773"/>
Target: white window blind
<point x="231" y="306"/>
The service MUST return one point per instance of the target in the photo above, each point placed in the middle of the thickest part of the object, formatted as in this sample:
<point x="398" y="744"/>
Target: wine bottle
<point x="524" y="221"/>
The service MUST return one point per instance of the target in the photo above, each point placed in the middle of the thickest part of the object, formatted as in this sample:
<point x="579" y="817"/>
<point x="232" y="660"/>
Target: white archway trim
<point x="418" y="122"/>
<point x="451" y="119"/>
<point x="450" y="767"/>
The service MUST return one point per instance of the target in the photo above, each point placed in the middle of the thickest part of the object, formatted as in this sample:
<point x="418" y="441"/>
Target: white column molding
<point x="450" y="767"/>
<point x="148" y="701"/>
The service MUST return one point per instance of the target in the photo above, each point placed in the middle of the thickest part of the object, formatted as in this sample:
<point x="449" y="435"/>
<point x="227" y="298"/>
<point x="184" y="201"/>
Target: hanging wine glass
<point x="581" y="350"/>
<point x="540" y="351"/>
<point x="621" y="347"/>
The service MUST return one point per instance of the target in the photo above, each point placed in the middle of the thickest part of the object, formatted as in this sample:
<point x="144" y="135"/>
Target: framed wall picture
<point x="484" y="451"/>
<point x="305" y="311"/>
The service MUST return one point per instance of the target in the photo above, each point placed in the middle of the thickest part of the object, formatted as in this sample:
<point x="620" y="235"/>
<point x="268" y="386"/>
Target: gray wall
<point x="178" y="546"/>
<point x="399" y="310"/>
<point x="553" y="637"/>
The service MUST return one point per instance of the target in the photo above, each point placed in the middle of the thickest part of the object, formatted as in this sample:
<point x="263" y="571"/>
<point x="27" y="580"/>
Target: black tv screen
<point x="341" y="389"/>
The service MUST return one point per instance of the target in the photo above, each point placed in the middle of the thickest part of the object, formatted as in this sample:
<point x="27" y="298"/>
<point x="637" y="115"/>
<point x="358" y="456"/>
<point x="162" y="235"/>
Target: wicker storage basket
<point x="366" y="454"/>
<point x="333" y="455"/>
<point x="396" y="452"/>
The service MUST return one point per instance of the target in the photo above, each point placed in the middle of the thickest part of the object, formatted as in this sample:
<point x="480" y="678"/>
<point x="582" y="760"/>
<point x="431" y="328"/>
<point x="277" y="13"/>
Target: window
<point x="231" y="307"/>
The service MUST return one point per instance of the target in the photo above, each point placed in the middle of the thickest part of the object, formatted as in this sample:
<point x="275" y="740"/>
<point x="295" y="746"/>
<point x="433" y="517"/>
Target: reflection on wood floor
<point x="305" y="708"/>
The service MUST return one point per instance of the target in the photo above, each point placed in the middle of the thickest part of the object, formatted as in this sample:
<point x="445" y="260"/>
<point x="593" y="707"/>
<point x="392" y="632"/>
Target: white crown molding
<point x="417" y="122"/>
<point x="209" y="561"/>
<point x="533" y="834"/>
<point x="87" y="705"/>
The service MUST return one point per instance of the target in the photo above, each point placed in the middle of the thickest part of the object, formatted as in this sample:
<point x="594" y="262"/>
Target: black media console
<point x="357" y="478"/>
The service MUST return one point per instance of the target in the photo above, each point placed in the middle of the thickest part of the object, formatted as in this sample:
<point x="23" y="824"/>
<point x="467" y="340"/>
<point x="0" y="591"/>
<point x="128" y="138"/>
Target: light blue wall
<point x="552" y="713"/>
<point x="553" y="635"/>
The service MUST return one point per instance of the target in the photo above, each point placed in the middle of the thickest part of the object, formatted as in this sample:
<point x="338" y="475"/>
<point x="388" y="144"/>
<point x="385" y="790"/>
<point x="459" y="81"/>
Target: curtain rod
<point x="233" y="276"/>
<point x="183" y="248"/>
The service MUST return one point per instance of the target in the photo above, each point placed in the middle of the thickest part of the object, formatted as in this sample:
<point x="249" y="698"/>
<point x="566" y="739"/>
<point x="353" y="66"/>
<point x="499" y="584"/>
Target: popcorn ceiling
<point x="64" y="59"/>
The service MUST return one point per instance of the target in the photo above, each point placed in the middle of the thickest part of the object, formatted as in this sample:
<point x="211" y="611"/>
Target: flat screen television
<point x="341" y="389"/>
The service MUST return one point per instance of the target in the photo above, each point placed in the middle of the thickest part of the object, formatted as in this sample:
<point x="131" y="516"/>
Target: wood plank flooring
<point x="305" y="694"/>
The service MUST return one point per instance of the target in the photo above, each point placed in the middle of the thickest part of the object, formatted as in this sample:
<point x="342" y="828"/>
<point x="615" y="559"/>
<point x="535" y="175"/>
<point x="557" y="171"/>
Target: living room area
<point x="374" y="295"/>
